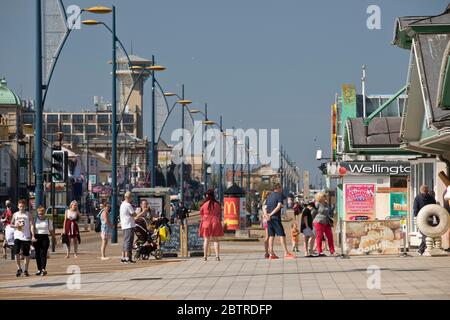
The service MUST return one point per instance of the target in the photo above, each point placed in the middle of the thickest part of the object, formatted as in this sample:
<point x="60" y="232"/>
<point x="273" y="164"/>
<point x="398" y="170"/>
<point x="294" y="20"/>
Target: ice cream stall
<point x="372" y="205"/>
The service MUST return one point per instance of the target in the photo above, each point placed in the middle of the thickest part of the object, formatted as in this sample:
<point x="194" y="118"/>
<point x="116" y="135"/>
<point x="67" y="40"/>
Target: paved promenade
<point x="243" y="273"/>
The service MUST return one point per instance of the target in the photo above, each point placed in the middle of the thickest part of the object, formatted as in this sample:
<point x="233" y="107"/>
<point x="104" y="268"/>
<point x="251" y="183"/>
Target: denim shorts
<point x="275" y="228"/>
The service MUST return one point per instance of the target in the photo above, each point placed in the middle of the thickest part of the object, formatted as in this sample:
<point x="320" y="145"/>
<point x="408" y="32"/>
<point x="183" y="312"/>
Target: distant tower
<point x="125" y="78"/>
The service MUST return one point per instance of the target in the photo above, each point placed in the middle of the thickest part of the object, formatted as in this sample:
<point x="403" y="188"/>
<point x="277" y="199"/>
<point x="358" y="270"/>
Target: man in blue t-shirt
<point x="272" y="211"/>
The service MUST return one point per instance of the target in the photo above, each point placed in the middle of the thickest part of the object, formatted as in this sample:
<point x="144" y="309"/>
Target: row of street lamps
<point x="153" y="152"/>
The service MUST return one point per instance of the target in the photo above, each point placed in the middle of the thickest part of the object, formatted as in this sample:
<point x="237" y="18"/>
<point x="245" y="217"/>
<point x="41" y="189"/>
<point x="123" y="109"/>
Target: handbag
<point x="307" y="232"/>
<point x="64" y="238"/>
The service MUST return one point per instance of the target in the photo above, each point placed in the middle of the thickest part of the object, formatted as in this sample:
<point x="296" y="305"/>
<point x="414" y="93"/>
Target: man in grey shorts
<point x="127" y="217"/>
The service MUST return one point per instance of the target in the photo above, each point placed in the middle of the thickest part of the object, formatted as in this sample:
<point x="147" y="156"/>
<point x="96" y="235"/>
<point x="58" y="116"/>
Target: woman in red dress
<point x="210" y="225"/>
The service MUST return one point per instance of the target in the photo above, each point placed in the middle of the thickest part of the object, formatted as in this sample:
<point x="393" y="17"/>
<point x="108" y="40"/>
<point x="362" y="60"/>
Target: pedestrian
<point x="127" y="223"/>
<point x="297" y="209"/>
<point x="265" y="220"/>
<point x="145" y="210"/>
<point x="71" y="232"/>
<point x="274" y="226"/>
<point x="106" y="228"/>
<point x="421" y="200"/>
<point x="210" y="224"/>
<point x="43" y="228"/>
<point x="182" y="214"/>
<point x="294" y="236"/>
<point x="23" y="235"/>
<point x="307" y="229"/>
<point x="322" y="224"/>
<point x="6" y="221"/>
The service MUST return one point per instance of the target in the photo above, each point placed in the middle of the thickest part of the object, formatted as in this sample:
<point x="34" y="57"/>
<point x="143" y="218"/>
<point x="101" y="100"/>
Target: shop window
<point x="399" y="182"/>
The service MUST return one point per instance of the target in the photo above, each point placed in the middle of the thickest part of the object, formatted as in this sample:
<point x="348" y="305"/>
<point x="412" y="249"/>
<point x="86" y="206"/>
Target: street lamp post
<point x="153" y="127"/>
<point x="234" y="159"/>
<point x="153" y="157"/>
<point x="183" y="103"/>
<point x="205" y="167"/>
<point x="247" y="142"/>
<point x="281" y="167"/>
<point x="242" y="166"/>
<point x="220" y="188"/>
<point x="102" y="10"/>
<point x="38" y="110"/>
<point x="114" y="129"/>
<point x="87" y="174"/>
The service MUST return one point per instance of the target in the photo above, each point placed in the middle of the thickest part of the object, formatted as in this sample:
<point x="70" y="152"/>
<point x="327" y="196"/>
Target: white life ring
<point x="427" y="213"/>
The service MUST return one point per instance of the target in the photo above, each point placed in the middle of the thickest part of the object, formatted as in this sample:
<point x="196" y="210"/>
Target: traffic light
<point x="59" y="165"/>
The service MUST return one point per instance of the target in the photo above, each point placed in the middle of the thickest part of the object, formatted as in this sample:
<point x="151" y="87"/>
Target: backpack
<point x="98" y="222"/>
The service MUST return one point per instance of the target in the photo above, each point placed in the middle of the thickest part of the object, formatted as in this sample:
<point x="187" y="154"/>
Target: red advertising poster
<point x="231" y="213"/>
<point x="359" y="201"/>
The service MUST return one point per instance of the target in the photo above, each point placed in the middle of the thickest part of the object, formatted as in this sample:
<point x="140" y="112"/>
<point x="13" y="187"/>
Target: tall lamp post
<point x="113" y="111"/>
<point x="206" y="123"/>
<point x="38" y="107"/>
<point x="247" y="148"/>
<point x="154" y="157"/>
<point x="114" y="130"/>
<point x="183" y="102"/>
<point x="221" y="164"/>
<point x="205" y="167"/>
<point x="234" y="159"/>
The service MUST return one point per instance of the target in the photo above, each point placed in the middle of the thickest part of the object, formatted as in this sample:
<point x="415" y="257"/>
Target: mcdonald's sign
<point x="231" y="213"/>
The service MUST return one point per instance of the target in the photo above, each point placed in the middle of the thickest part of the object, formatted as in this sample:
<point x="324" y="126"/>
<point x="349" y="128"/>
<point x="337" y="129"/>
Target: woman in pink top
<point x="210" y="224"/>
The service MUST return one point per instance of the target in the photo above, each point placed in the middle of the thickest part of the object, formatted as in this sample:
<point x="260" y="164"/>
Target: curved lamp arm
<point x="58" y="53"/>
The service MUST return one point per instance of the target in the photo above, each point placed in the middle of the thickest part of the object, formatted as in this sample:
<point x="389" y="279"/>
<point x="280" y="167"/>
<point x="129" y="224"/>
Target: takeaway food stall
<point x="372" y="204"/>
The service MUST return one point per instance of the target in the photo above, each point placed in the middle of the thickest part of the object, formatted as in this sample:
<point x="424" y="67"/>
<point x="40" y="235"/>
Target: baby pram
<point x="148" y="240"/>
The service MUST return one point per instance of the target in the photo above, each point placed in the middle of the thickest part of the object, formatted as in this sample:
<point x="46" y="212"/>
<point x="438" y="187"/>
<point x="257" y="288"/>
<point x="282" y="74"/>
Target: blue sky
<point x="259" y="63"/>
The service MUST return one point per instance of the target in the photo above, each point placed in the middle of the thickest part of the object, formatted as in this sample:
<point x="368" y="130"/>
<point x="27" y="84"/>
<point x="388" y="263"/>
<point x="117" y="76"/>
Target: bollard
<point x="404" y="231"/>
<point x="341" y="240"/>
